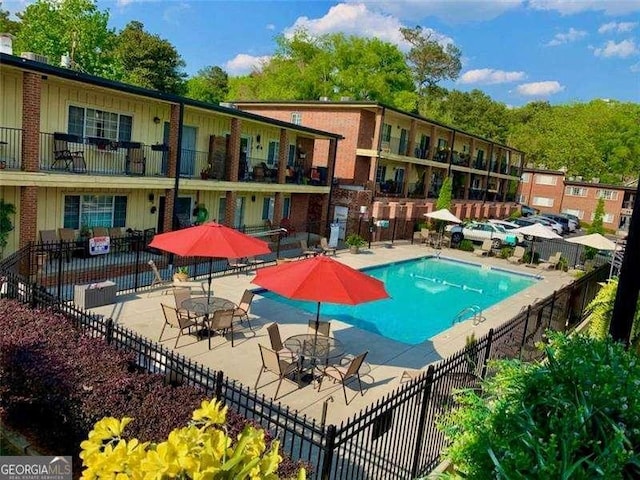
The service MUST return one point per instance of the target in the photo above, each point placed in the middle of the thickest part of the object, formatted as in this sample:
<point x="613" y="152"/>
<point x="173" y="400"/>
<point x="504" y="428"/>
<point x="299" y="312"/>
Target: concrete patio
<point x="387" y="359"/>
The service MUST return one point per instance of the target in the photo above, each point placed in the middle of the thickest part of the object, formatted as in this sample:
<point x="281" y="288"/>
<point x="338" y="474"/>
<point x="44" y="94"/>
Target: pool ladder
<point x="474" y="309"/>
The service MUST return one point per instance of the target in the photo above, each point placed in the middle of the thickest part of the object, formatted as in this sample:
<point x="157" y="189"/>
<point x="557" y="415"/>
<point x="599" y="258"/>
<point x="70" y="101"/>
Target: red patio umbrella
<point x="210" y="240"/>
<point x="321" y="279"/>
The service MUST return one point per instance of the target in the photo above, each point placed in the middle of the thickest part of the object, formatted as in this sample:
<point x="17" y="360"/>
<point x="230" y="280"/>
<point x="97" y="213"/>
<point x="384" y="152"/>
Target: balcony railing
<point x="10" y="148"/>
<point x="70" y="153"/>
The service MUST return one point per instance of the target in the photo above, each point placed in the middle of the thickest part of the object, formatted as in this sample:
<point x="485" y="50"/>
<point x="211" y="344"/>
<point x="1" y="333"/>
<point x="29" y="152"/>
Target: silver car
<point x="481" y="231"/>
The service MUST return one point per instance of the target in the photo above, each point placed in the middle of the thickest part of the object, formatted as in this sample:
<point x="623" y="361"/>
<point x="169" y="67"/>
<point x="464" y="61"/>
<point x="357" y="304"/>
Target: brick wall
<point x="31" y="91"/>
<point x="28" y="215"/>
<point x="532" y="189"/>
<point x="233" y="153"/>
<point x="169" y="205"/>
<point x="587" y="204"/>
<point x="230" y="207"/>
<point x="174" y="133"/>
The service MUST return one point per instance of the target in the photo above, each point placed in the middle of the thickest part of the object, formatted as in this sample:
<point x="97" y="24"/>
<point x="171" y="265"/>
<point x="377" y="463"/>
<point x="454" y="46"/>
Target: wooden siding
<point x="11" y="98"/>
<point x="12" y="195"/>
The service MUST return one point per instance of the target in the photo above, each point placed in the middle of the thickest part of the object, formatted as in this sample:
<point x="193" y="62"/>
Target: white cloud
<point x="635" y="68"/>
<point x="243" y="63"/>
<point x="459" y="11"/>
<point x="270" y="26"/>
<point x="571" y="36"/>
<point x="357" y="19"/>
<point x="623" y="49"/>
<point x="489" y="76"/>
<point x="570" y="7"/>
<point x="173" y="13"/>
<point x="540" y="89"/>
<point x="617" y="27"/>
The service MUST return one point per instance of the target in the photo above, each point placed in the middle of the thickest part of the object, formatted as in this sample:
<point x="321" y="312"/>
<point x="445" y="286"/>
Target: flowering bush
<point x="199" y="450"/>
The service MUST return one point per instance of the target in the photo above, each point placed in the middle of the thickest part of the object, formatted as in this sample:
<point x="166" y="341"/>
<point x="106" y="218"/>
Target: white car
<point x="547" y="222"/>
<point x="481" y="231"/>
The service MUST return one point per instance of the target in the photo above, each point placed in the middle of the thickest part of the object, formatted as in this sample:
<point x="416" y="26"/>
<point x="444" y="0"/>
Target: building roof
<point x="46" y="69"/>
<point x="366" y="104"/>
<point x="543" y="170"/>
<point x="608" y="186"/>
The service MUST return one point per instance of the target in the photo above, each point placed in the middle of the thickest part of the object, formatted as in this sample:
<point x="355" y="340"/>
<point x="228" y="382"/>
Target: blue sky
<point x="514" y="50"/>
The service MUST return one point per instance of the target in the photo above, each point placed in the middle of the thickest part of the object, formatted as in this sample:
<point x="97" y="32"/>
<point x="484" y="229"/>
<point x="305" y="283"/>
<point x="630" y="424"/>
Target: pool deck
<point x="387" y="358"/>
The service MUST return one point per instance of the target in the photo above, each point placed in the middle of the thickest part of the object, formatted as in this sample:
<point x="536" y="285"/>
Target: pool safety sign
<point x="99" y="245"/>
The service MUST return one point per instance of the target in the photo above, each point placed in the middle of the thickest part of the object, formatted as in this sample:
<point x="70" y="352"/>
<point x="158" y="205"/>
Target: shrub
<point x="506" y="252"/>
<point x="576" y="415"/>
<point x="466" y="246"/>
<point x="526" y="258"/>
<point x="600" y="312"/>
<point x="355" y="240"/>
<point x="56" y="383"/>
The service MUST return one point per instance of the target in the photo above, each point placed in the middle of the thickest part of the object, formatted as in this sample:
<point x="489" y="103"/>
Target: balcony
<point x="10" y="148"/>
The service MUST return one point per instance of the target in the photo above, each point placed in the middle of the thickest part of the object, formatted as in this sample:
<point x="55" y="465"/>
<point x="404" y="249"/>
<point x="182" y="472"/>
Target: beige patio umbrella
<point x="536" y="230"/>
<point x="594" y="240"/>
<point x="443" y="214"/>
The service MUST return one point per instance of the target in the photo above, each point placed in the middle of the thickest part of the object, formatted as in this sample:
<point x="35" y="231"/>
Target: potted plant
<point x="181" y="275"/>
<point x="206" y="172"/>
<point x="354" y="242"/>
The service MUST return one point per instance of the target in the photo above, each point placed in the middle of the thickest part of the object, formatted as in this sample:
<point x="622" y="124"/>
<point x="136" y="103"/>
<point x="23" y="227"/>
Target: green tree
<point x="600" y="311"/>
<point x="68" y="27"/>
<point x="445" y="195"/>
<point x="431" y="62"/>
<point x="7" y="25"/>
<point x="598" y="216"/>
<point x="148" y="60"/>
<point x="6" y="211"/>
<point x="211" y="85"/>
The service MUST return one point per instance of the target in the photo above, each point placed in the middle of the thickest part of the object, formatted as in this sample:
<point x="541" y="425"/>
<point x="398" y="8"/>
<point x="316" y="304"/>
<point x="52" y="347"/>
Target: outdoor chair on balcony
<point x="136" y="161"/>
<point x="344" y="373"/>
<point x="272" y="362"/>
<point x="64" y="158"/>
<point x="286" y="224"/>
<point x="174" y="319"/>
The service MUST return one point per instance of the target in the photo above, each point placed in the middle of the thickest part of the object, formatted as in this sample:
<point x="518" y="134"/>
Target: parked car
<point x="526" y="210"/>
<point x="574" y="218"/>
<point x="567" y="224"/>
<point x="481" y="231"/>
<point x="510" y="224"/>
<point x="552" y="224"/>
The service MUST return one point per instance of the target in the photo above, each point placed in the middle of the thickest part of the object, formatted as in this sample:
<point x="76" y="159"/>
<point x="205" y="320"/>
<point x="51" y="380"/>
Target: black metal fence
<point x="396" y="437"/>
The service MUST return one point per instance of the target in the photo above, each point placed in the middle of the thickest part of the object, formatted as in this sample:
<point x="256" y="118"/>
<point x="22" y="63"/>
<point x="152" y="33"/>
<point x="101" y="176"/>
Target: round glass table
<point x="315" y="347"/>
<point x="206" y="306"/>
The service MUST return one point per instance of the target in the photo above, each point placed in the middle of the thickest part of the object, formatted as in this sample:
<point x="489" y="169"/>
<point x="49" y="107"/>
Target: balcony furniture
<point x="63" y="157"/>
<point x="344" y="373"/>
<point x="272" y="362"/>
<point x="136" y="161"/>
<point x="243" y="308"/>
<point x="174" y="320"/>
<point x="94" y="294"/>
<point x="276" y="342"/>
<point x="205" y="307"/>
<point x="222" y="321"/>
<point x="326" y="249"/>
<point x="319" y="328"/>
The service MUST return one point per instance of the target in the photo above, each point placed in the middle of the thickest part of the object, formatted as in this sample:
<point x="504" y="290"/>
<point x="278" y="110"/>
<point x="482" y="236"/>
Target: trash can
<point x="94" y="294"/>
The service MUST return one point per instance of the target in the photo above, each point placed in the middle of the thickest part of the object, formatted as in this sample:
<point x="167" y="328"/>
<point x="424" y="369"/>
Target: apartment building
<point x="393" y="162"/>
<point x="552" y="191"/>
<point x="81" y="151"/>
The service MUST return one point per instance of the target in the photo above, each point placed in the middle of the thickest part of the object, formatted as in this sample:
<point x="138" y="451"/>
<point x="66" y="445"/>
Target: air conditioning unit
<point x="36" y="57"/>
<point x="595" y="180"/>
<point x="228" y="105"/>
<point x="345" y="99"/>
<point x="324" y="99"/>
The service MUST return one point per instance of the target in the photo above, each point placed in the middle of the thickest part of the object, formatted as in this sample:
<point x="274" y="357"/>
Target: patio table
<point x="316" y="348"/>
<point x="206" y="306"/>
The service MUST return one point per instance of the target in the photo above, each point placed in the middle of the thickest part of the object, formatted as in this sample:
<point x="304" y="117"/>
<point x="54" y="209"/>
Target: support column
<point x="174" y="141"/>
<point x="283" y="152"/>
<point x="31" y="92"/>
<point x="278" y="205"/>
<point x="230" y="208"/>
<point x="169" y="222"/>
<point x="233" y="155"/>
<point x="169" y="204"/>
<point x="28" y="215"/>
<point x="326" y="199"/>
<point x="467" y="186"/>
<point x="412" y="138"/>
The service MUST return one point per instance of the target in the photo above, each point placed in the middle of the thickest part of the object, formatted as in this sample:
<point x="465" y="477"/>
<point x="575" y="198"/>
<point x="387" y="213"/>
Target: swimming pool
<point x="426" y="295"/>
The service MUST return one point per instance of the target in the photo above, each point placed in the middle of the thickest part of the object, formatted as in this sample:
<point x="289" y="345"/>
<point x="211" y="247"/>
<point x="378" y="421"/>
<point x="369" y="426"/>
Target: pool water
<point x="426" y="295"/>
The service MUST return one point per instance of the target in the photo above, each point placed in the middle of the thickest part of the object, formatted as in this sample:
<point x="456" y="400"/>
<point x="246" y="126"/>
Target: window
<point x="381" y="173"/>
<point x="386" y="132"/>
<point x="267" y="208"/>
<point x="606" y="218"/>
<point x="296" y="118"/>
<point x="94" y="211"/>
<point x="286" y="208"/>
<point x="526" y="177"/>
<point x="272" y="155"/>
<point x="442" y="143"/>
<point x="575" y="191"/>
<point x="89" y="122"/>
<point x="545" y="179"/>
<point x="522" y="198"/>
<point x="542" y="202"/>
<point x="292" y="155"/>
<point x="607" y="194"/>
<point x="577" y="213"/>
<point x="222" y="209"/>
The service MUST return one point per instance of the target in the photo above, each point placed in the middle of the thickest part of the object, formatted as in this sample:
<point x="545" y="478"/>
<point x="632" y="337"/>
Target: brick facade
<point x="233" y="153"/>
<point x="230" y="208"/>
<point x="28" y="215"/>
<point x="542" y="190"/>
<point x="31" y="93"/>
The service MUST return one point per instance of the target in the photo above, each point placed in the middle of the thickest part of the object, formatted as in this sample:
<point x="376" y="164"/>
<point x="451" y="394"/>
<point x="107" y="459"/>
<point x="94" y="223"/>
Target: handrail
<point x="477" y="314"/>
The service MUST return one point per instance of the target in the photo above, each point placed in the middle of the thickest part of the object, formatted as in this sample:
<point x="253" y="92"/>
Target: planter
<point x="354" y="249"/>
<point x="180" y="277"/>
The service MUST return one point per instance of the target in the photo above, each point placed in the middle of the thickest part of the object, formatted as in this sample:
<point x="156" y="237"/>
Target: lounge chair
<point x="320" y="327"/>
<point x="485" y="249"/>
<point x="305" y="251"/>
<point x="326" y="249"/>
<point x="551" y="263"/>
<point x="157" y="278"/>
<point x="344" y="373"/>
<point x="272" y="362"/>
<point x="237" y="265"/>
<point x="276" y="343"/>
<point x="243" y="308"/>
<point x="173" y="319"/>
<point x="518" y="254"/>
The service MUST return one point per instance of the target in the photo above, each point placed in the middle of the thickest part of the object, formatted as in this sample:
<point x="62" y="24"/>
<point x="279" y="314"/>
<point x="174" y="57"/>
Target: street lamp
<point x="363" y="214"/>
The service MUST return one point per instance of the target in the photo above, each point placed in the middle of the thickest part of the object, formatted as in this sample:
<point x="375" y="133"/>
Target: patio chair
<point x="117" y="236"/>
<point x="180" y="294"/>
<point x="65" y="158"/>
<point x="67" y="234"/>
<point x="485" y="249"/>
<point x="49" y="241"/>
<point x="326" y="249"/>
<point x="551" y="263"/>
<point x="222" y="321"/>
<point x="344" y="373"/>
<point x="136" y="162"/>
<point x="305" y="251"/>
<point x="271" y="362"/>
<point x="100" y="232"/>
<point x="323" y="328"/>
<point x="424" y="236"/>
<point x="518" y="254"/>
<point x="173" y="319"/>
<point x="276" y="343"/>
<point x="157" y="278"/>
<point x="243" y="308"/>
<point x="237" y="265"/>
<point x="254" y="262"/>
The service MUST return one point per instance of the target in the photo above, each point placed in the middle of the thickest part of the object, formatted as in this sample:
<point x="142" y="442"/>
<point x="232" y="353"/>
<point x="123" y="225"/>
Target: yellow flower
<point x="108" y="428"/>
<point x="211" y="412"/>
